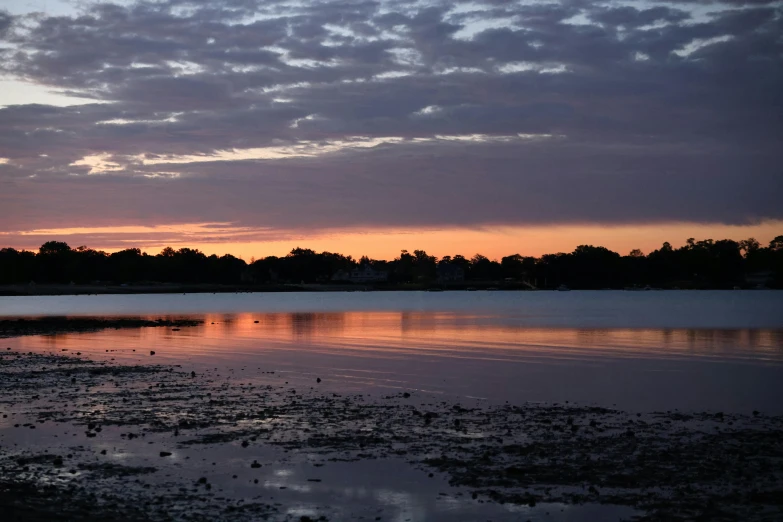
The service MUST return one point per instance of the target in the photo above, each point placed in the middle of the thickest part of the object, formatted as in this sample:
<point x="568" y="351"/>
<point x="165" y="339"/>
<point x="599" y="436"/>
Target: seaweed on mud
<point x="106" y="469"/>
<point x="670" y="466"/>
<point x="56" y="325"/>
<point x="22" y="500"/>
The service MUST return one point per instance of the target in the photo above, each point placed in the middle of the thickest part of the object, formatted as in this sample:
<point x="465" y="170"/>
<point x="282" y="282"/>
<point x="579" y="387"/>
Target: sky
<point x="367" y="127"/>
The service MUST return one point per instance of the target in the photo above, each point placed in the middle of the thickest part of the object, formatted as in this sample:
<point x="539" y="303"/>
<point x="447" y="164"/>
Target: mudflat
<point x="55" y="325"/>
<point x="97" y="440"/>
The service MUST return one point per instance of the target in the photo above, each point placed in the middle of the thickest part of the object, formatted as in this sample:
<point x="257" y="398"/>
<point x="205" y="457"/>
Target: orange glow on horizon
<point x="491" y="241"/>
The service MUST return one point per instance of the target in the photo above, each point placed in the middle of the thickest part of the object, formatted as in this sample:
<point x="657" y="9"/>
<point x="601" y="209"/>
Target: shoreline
<point x="55" y="325"/>
<point x="165" y="288"/>
<point x="85" y="290"/>
<point x="140" y="429"/>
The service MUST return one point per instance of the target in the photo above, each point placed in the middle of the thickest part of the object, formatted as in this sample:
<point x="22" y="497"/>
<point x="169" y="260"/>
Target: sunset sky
<point x="367" y="127"/>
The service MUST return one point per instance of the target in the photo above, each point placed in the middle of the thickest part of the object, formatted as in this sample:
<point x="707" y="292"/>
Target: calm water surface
<point x="636" y="350"/>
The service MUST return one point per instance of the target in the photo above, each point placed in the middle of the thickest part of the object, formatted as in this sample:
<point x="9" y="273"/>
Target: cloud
<point x="394" y="113"/>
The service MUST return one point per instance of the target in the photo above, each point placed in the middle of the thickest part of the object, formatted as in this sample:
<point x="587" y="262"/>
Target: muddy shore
<point x="83" y="439"/>
<point x="57" y="325"/>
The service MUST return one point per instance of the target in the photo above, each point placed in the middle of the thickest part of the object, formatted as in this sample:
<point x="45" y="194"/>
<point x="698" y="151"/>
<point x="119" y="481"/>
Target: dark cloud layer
<point x="626" y="114"/>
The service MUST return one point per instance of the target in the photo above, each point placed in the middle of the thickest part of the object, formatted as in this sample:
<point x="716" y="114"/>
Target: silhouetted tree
<point x="698" y="264"/>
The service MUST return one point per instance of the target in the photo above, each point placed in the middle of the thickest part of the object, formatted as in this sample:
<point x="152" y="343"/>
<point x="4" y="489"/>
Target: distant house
<point x="450" y="273"/>
<point x="363" y="274"/>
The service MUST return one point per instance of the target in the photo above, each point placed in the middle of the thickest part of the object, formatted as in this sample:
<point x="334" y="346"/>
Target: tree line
<point x="698" y="264"/>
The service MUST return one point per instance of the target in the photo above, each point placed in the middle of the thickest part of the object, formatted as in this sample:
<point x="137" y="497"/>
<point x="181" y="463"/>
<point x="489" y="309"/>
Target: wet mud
<point x="73" y="431"/>
<point x="58" y="325"/>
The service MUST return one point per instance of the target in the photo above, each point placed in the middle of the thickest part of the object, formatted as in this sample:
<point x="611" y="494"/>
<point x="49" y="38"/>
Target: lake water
<point x="637" y="351"/>
<point x="643" y="351"/>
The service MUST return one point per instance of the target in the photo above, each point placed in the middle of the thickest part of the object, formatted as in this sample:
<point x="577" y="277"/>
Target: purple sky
<point x="298" y="117"/>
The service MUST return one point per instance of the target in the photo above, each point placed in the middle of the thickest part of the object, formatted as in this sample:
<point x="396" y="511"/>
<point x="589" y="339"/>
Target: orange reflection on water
<point x="416" y="334"/>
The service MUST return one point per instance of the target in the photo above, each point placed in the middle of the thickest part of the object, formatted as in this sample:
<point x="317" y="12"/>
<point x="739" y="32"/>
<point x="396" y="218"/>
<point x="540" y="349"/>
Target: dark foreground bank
<point x="56" y="325"/>
<point x="87" y="440"/>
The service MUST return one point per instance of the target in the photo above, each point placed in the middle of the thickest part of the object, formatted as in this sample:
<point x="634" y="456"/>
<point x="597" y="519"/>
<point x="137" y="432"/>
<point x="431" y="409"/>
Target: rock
<point x="318" y="379"/>
<point x="202" y="480"/>
<point x="165" y="454"/>
<point x="245" y="444"/>
<point x="255" y="464"/>
<point x="152" y="352"/>
<point x="58" y="461"/>
<point x="103" y="452"/>
<point x="192" y="374"/>
<point x="406" y="395"/>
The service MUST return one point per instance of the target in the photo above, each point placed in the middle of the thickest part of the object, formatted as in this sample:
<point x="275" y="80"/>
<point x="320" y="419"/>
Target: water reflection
<point x="474" y="355"/>
<point x="431" y="333"/>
